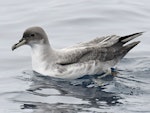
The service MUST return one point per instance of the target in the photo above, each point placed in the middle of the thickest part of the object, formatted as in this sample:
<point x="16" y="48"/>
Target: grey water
<point x="68" y="22"/>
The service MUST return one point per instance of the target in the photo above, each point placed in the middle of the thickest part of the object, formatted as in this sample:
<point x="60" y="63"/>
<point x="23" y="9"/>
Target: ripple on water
<point x="68" y="22"/>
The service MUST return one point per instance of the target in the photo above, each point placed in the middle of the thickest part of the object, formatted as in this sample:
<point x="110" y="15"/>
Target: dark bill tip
<point x="13" y="47"/>
<point x="20" y="43"/>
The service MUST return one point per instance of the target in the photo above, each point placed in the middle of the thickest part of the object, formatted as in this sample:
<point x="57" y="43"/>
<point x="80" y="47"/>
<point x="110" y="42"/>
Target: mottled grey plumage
<point x="102" y="49"/>
<point x="91" y="57"/>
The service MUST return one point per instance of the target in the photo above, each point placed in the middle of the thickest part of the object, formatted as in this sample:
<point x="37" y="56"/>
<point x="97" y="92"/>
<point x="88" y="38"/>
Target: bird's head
<point x="32" y="36"/>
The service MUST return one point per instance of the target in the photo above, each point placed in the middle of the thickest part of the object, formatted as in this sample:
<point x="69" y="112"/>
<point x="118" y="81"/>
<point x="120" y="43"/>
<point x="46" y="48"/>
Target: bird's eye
<point x="32" y="35"/>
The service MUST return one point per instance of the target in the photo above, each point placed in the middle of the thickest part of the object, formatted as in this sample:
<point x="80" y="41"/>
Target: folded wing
<point x="102" y="49"/>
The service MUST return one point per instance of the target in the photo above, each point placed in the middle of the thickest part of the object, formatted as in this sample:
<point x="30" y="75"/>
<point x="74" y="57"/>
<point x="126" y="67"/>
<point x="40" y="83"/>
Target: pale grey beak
<point x="20" y="43"/>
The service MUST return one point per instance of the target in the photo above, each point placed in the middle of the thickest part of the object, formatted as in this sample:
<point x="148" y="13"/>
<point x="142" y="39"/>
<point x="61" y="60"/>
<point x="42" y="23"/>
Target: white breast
<point x="41" y="58"/>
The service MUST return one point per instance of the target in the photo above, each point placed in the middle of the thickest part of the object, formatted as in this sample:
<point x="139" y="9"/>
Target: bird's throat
<point x="41" y="57"/>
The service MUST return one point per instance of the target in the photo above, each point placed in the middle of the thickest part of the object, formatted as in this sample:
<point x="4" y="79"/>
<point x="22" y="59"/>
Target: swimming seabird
<point x="89" y="58"/>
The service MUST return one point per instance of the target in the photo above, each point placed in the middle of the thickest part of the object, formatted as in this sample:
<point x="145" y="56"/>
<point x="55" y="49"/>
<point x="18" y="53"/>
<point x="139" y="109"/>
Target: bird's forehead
<point x="33" y="30"/>
<point x="27" y="33"/>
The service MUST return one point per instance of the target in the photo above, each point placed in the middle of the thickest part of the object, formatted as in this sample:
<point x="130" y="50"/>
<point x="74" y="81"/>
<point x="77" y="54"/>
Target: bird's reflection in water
<point x="85" y="89"/>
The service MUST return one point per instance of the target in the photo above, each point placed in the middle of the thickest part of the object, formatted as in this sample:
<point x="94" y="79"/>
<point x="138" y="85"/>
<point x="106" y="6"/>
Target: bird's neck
<point x="42" y="49"/>
<point x="42" y="55"/>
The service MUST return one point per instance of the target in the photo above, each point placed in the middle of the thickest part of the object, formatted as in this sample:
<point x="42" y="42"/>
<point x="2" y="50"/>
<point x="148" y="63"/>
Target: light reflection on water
<point x="66" y="96"/>
<point x="68" y="22"/>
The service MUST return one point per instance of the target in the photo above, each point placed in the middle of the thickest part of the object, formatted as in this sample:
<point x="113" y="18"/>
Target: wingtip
<point x="141" y="32"/>
<point x="138" y="34"/>
<point x="127" y="38"/>
<point x="137" y="42"/>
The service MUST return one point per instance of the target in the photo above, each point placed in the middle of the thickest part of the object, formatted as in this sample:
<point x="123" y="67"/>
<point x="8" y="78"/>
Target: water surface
<point x="68" y="22"/>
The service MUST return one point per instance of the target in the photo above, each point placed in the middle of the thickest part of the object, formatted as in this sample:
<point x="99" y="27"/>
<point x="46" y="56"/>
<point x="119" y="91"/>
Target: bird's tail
<point x="125" y="49"/>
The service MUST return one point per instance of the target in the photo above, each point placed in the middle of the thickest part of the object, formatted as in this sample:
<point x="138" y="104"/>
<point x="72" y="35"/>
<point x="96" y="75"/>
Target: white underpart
<point x="41" y="58"/>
